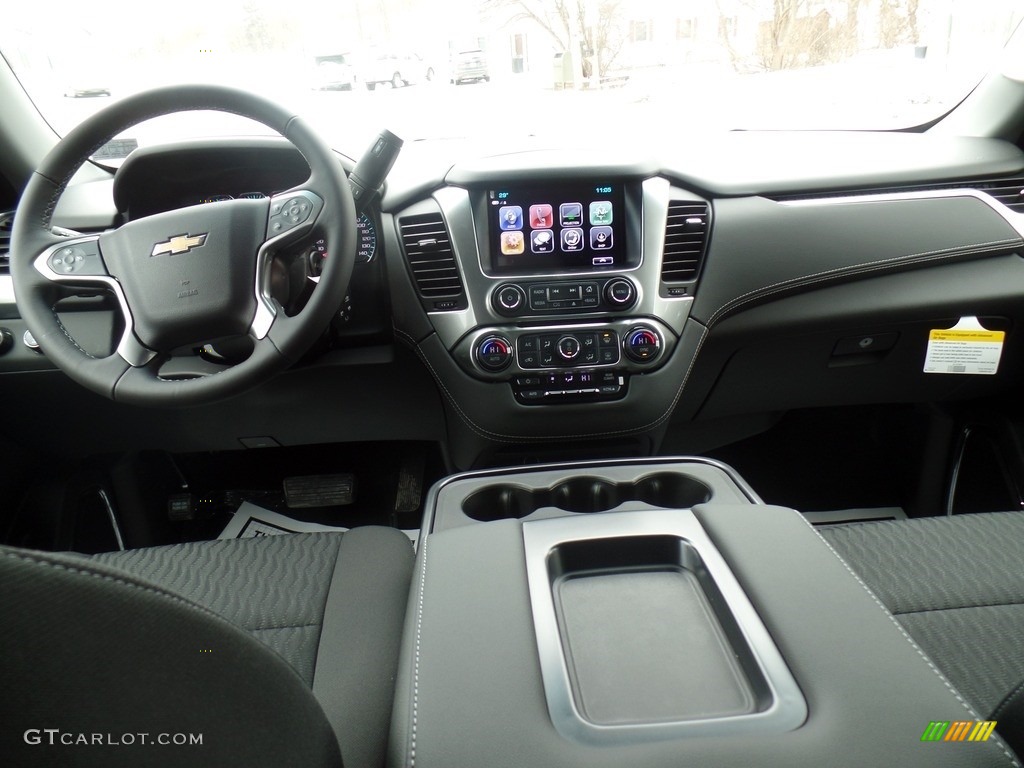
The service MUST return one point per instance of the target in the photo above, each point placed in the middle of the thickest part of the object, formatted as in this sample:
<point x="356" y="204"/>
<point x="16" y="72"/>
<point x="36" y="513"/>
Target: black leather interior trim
<point x="470" y="684"/>
<point x="761" y="249"/>
<point x="357" y="657"/>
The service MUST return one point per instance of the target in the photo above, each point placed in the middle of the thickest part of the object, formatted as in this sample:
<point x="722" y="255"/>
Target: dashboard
<point x="544" y="301"/>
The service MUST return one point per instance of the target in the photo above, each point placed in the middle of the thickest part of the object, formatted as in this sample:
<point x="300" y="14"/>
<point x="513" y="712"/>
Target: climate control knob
<point x="620" y="293"/>
<point x="642" y="344"/>
<point x="568" y="347"/>
<point x="509" y="299"/>
<point x="494" y="353"/>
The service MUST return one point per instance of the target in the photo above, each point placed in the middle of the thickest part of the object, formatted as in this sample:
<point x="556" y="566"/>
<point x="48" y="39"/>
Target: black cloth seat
<point x="276" y="649"/>
<point x="956" y="584"/>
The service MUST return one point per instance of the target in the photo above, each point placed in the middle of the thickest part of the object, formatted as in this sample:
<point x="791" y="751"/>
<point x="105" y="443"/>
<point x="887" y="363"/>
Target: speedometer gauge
<point x="366" y="245"/>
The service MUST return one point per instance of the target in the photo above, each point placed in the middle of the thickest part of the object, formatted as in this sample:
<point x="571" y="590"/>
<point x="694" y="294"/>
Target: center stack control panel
<point x="569" y="362"/>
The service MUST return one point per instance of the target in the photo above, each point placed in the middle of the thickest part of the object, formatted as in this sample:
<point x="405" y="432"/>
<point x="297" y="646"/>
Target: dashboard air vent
<point x="6" y="225"/>
<point x="685" y="239"/>
<point x="432" y="261"/>
<point x="1009" y="192"/>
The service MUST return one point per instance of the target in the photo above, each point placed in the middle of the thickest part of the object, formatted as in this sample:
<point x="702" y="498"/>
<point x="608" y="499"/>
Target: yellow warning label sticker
<point x="952" y="334"/>
<point x="965" y="349"/>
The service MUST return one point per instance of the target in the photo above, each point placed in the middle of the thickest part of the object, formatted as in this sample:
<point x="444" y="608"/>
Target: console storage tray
<point x="644" y="633"/>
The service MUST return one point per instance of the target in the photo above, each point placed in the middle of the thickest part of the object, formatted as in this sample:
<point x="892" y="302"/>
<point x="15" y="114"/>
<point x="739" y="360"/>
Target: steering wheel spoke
<point x="291" y="217"/>
<point x="78" y="263"/>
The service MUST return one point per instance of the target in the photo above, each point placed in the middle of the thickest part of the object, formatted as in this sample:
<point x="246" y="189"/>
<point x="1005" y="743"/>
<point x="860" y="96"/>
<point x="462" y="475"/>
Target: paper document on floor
<point x="250" y="520"/>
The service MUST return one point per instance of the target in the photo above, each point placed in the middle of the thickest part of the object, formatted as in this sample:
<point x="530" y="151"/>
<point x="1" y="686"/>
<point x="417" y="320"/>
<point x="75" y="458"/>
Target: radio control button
<point x="620" y="293"/>
<point x="509" y="299"/>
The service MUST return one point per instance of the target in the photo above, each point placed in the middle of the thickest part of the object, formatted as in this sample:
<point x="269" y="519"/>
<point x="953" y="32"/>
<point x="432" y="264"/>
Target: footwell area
<point x="154" y="498"/>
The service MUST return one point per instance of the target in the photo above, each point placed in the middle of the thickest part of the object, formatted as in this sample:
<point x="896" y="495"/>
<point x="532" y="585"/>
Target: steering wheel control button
<point x="569" y="347"/>
<point x="566" y="387"/>
<point x="509" y="299"/>
<point x="494" y="354"/>
<point x="290" y="211"/>
<point x="620" y="293"/>
<point x="642" y="345"/>
<point x="297" y="211"/>
<point x="77" y="259"/>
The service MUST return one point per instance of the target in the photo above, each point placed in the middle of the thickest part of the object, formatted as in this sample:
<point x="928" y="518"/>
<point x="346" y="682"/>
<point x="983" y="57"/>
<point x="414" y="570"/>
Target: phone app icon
<point x="601" y="238"/>
<point x="510" y="217"/>
<point x="570" y="214"/>
<point x="541" y="216"/>
<point x="600" y="212"/>
<point x="542" y="240"/>
<point x="572" y="239"/>
<point x="512" y="243"/>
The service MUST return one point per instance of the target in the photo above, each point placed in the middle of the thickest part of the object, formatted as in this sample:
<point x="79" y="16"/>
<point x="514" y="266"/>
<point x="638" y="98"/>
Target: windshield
<point x="579" y="70"/>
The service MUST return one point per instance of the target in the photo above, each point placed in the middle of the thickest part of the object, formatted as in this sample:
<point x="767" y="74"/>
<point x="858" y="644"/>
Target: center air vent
<point x="685" y="239"/>
<point x="6" y="225"/>
<point x="428" y="250"/>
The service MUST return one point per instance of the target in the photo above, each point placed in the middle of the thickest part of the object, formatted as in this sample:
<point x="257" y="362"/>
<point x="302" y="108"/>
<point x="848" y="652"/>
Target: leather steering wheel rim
<point x="148" y="268"/>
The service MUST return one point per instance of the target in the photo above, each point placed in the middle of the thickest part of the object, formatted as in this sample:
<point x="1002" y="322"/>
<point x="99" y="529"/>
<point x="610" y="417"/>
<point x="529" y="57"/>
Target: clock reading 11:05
<point x="603" y="190"/>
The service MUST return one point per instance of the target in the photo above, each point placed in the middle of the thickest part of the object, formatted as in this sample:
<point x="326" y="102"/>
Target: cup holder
<point x="670" y="490"/>
<point x="582" y="494"/>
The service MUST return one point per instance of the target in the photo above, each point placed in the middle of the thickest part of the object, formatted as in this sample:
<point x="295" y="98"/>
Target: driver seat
<point x="278" y="650"/>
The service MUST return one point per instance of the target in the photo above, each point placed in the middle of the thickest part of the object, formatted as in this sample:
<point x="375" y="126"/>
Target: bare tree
<point x="600" y="33"/>
<point x="789" y="35"/>
<point x="898" y="23"/>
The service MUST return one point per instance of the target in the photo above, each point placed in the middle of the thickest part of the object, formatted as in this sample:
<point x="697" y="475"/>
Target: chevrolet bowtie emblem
<point x="179" y="244"/>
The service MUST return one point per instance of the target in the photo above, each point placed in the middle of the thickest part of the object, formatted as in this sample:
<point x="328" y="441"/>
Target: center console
<point x="650" y="613"/>
<point x="551" y="308"/>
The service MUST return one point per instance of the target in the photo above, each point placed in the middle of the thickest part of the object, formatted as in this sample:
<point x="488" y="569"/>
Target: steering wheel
<point x="185" y="276"/>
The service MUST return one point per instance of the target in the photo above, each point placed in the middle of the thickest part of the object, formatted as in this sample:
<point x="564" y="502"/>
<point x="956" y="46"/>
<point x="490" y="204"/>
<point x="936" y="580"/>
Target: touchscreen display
<point x="556" y="227"/>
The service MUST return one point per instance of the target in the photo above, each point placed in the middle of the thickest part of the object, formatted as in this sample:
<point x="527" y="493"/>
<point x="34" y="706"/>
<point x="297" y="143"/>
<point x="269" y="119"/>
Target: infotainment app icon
<point x="601" y="238"/>
<point x="510" y="217"/>
<point x="572" y="239"/>
<point x="542" y="241"/>
<point x="512" y="243"/>
<point x="571" y="214"/>
<point x="541" y="216"/>
<point x="600" y="212"/>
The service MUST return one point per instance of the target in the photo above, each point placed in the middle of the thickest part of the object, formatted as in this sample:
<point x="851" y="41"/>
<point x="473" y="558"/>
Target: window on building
<point x="640" y="31"/>
<point x="518" y="45"/>
<point x="686" y="29"/>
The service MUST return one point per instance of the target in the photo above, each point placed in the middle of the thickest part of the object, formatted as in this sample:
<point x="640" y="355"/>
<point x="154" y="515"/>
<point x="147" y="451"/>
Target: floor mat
<point x="251" y="520"/>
